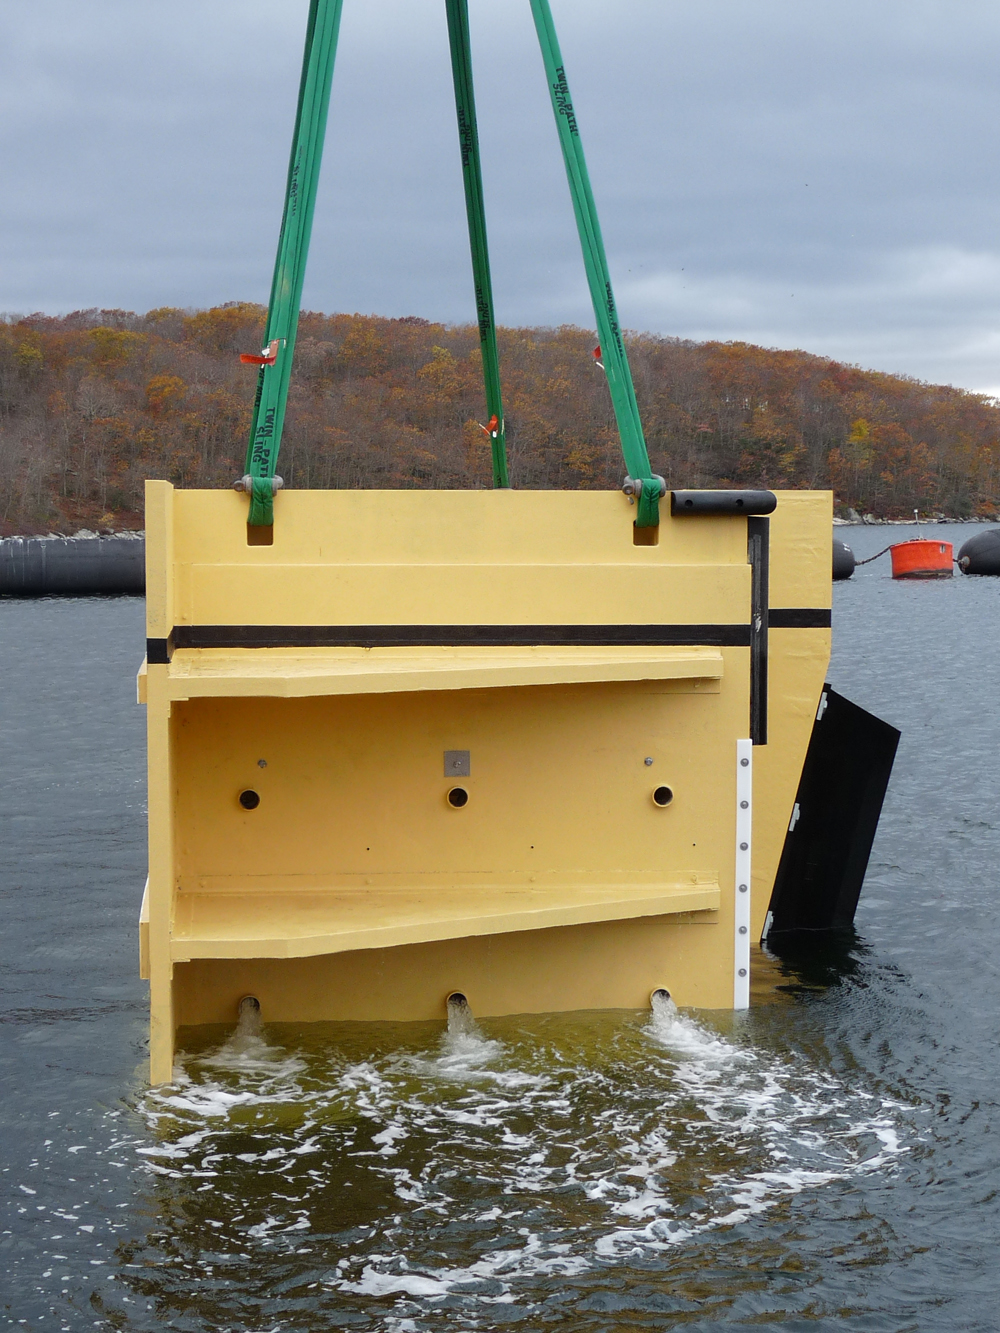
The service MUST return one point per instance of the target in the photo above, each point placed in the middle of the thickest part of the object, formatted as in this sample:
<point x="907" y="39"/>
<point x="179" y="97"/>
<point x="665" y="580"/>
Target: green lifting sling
<point x="468" y="138"/>
<point x="641" y="482"/>
<point x="275" y="360"/>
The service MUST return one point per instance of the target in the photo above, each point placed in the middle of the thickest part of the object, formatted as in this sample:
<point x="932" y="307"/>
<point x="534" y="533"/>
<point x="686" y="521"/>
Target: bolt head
<point x="648" y="761"/>
<point x="744" y="763"/>
<point x="744" y="846"/>
<point x="743" y="971"/>
<point x="744" y="805"/>
<point x="743" y="888"/>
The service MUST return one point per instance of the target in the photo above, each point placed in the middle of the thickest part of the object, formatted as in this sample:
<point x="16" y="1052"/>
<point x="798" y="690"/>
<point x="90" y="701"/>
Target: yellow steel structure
<point x="568" y="672"/>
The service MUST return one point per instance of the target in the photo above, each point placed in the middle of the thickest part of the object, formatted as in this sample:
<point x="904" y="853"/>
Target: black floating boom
<point x="981" y="553"/>
<point x="34" y="566"/>
<point x="843" y="560"/>
<point x="756" y="503"/>
<point x="836" y="813"/>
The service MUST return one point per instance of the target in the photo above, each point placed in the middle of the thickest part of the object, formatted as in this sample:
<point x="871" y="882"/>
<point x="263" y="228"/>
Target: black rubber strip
<point x="798" y="617"/>
<point x="758" y="548"/>
<point x="159" y="651"/>
<point x="456" y="636"/>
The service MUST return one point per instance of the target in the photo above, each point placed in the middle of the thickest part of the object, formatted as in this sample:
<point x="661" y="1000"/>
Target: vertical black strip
<point x="758" y="531"/>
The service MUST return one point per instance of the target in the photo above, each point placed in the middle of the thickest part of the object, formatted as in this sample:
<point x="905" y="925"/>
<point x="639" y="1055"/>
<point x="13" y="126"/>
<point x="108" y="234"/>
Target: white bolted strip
<point x="744" y="825"/>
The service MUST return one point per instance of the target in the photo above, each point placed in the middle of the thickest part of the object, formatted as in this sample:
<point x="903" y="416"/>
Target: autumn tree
<point x="93" y="403"/>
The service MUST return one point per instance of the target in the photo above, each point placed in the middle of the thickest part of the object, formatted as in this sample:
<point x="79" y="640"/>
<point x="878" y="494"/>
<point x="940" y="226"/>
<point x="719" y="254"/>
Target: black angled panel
<point x="837" y="808"/>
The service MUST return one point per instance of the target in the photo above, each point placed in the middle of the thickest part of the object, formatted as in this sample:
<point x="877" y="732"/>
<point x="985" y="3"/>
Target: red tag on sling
<point x="267" y="357"/>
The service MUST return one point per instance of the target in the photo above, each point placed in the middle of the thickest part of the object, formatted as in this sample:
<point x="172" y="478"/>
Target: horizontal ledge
<point x="292" y="924"/>
<point x="285" y="673"/>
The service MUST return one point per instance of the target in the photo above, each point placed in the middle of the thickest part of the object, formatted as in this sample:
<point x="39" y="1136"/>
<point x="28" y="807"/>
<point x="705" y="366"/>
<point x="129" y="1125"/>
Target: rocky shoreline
<point x="870" y="521"/>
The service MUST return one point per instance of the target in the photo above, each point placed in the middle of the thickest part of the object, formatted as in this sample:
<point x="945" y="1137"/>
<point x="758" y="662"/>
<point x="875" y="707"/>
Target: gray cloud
<point x="788" y="172"/>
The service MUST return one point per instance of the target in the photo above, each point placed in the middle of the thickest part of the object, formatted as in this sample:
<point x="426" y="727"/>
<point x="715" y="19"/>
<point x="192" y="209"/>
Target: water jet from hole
<point x="248" y="1020"/>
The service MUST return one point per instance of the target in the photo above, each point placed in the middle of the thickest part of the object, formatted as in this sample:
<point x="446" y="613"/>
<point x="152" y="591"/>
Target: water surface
<point x="827" y="1159"/>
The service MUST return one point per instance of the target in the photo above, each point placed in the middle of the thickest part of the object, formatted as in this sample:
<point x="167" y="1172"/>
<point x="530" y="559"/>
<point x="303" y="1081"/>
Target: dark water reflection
<point x="829" y="1158"/>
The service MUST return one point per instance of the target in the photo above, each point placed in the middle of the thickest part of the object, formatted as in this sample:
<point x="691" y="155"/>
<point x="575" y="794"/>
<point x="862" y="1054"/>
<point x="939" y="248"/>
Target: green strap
<point x="613" y="353"/>
<point x="293" y="246"/>
<point x="468" y="137"/>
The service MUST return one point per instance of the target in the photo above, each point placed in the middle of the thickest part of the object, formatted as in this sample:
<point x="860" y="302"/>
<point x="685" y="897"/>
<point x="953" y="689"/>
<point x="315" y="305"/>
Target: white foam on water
<point x="464" y="1052"/>
<point x="649" y="1141"/>
<point x="248" y="1053"/>
<point x="460" y="1055"/>
<point x="683" y="1036"/>
<point x="786" y="1110"/>
<point x="209" y="1099"/>
<point x="267" y="1074"/>
<point x="531" y="1260"/>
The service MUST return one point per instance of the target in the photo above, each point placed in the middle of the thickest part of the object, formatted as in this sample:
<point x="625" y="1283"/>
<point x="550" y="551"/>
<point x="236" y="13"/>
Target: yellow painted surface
<point x="161" y="609"/>
<point x="801" y="554"/>
<point x="798" y="659"/>
<point x="287" y="924"/>
<point x="199" y="673"/>
<point x="162" y="881"/>
<point x="353" y="889"/>
<point x="558" y="784"/>
<point x="342" y="529"/>
<point x="605" y="965"/>
<point x="426" y="594"/>
<point x="443" y="557"/>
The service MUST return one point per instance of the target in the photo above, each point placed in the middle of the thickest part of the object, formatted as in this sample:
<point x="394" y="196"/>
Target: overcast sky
<point x="789" y="172"/>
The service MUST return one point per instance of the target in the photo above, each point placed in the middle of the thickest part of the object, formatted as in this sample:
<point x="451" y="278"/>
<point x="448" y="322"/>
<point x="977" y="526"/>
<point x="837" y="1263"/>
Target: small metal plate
<point x="457" y="764"/>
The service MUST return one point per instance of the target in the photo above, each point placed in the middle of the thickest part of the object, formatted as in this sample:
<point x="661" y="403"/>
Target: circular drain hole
<point x="458" y="797"/>
<point x="249" y="799"/>
<point x="662" y="795"/>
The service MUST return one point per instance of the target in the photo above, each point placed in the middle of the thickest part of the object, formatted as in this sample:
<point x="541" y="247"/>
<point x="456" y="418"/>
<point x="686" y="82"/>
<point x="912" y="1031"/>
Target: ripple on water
<point x="366" y="1170"/>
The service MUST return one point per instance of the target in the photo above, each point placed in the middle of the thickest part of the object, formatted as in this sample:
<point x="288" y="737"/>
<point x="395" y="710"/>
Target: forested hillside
<point x="93" y="403"/>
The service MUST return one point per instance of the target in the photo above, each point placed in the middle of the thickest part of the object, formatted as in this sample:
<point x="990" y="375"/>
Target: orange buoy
<point x="922" y="558"/>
